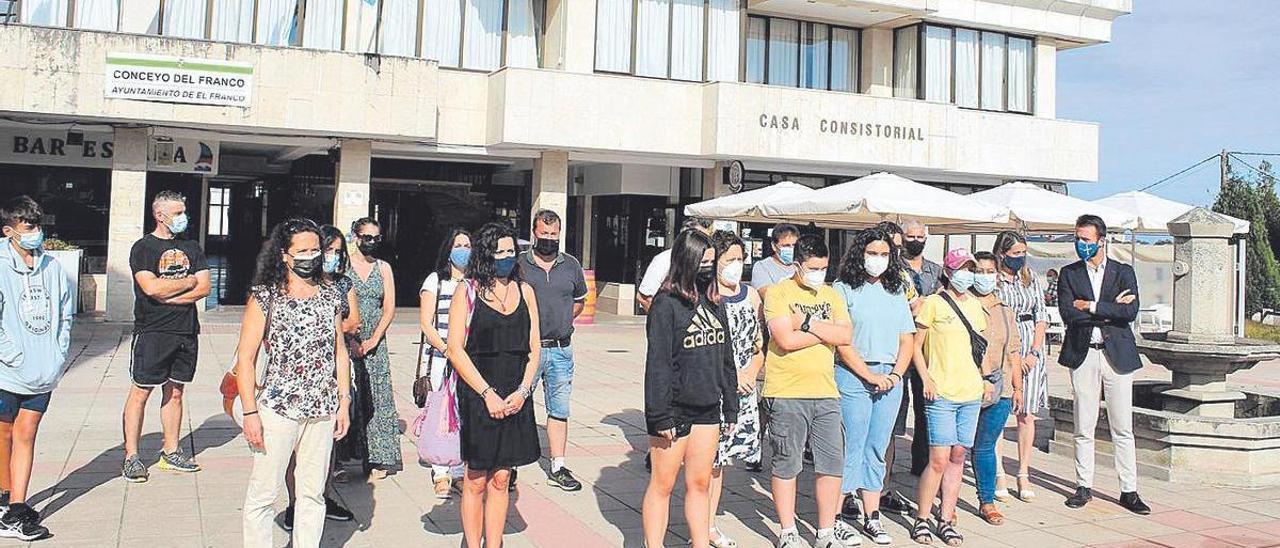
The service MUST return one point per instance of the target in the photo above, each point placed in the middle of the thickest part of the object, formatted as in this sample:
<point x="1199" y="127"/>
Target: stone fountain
<point x="1198" y="428"/>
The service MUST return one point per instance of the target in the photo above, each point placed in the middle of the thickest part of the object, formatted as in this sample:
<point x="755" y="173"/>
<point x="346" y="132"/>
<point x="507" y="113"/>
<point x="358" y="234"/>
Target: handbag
<point x="421" y="384"/>
<point x="977" y="343"/>
<point x="228" y="387"/>
<point x="438" y="428"/>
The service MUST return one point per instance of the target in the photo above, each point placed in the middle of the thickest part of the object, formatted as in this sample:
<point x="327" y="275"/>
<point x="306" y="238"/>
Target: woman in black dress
<point x="496" y="356"/>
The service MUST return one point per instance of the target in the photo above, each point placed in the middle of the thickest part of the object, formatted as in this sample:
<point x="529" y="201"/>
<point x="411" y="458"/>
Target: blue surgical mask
<point x="962" y="280"/>
<point x="178" y="223"/>
<point x="787" y="254"/>
<point x="331" y="261"/>
<point x="984" y="284"/>
<point x="504" y="266"/>
<point x="1086" y="250"/>
<point x="31" y="241"/>
<point x="1014" y="264"/>
<point x="460" y="257"/>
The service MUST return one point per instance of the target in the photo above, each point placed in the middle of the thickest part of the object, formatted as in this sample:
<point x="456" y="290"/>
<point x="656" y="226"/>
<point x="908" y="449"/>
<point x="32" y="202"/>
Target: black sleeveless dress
<point x="498" y="344"/>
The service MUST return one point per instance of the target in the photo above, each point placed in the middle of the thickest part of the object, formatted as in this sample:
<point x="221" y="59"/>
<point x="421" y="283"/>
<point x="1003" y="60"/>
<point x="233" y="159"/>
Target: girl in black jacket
<point x="690" y="382"/>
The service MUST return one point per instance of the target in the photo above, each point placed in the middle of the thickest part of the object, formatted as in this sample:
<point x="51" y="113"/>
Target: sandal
<point x="1002" y="490"/>
<point x="947" y="532"/>
<point x="721" y="540"/>
<point x="990" y="514"/>
<point x="1025" y="494"/>
<point x="920" y="532"/>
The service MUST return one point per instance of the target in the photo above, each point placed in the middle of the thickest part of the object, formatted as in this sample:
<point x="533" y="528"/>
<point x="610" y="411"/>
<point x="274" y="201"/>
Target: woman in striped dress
<point x="1023" y="292"/>
<point x="435" y="297"/>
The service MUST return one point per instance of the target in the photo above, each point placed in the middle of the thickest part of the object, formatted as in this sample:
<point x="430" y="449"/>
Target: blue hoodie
<point x="35" y="322"/>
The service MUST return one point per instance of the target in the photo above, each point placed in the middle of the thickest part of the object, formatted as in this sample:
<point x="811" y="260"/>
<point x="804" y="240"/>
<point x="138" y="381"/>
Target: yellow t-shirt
<point x="809" y="372"/>
<point x="946" y="347"/>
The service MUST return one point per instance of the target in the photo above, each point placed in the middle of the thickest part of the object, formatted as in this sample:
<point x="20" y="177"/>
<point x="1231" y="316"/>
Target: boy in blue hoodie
<point x="35" y="331"/>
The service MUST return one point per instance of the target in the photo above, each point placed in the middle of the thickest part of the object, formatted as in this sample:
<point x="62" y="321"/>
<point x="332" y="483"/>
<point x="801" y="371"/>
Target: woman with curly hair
<point x="496" y="355"/>
<point x="869" y="373"/>
<point x="301" y="406"/>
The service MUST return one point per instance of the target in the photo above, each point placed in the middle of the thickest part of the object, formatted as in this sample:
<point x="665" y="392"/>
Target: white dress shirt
<point x="1096" y="273"/>
<point x="655" y="274"/>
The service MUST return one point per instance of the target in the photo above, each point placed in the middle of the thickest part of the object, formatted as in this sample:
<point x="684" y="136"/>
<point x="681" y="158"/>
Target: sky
<point x="1180" y="80"/>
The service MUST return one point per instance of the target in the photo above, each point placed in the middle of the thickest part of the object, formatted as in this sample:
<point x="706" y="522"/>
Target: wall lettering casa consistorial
<point x="844" y="127"/>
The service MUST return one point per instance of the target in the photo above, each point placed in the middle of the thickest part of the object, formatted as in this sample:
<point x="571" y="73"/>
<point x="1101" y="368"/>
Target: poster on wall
<point x="96" y="149"/>
<point x="166" y="79"/>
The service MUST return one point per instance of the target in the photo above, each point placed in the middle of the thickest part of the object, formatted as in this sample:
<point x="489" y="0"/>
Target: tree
<point x="1253" y="198"/>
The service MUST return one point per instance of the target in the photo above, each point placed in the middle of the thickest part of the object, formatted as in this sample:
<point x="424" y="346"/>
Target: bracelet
<point x="485" y="392"/>
<point x="895" y="374"/>
<point x="247" y="413"/>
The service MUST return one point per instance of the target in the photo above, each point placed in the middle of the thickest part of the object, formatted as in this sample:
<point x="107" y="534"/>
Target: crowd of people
<point x="815" y="362"/>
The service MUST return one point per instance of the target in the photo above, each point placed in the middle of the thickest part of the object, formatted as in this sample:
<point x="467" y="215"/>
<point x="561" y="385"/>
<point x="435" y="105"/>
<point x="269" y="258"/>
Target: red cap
<point x="956" y="258"/>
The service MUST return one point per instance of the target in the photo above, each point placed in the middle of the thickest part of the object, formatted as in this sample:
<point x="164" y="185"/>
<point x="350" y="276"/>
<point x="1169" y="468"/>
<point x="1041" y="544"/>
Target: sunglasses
<point x="370" y="238"/>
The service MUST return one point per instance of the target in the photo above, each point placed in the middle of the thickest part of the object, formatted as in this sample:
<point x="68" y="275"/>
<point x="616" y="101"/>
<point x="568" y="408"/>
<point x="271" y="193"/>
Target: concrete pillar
<point x="551" y="184"/>
<point x="125" y="217"/>
<point x="351" y="198"/>
<point x="877" y="62"/>
<point x="714" y="184"/>
<point x="570" y="37"/>
<point x="1046" y="80"/>
<point x="588" y="230"/>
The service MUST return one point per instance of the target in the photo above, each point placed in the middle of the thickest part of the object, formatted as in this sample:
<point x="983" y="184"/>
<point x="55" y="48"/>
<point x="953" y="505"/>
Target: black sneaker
<point x="286" y="519"/>
<point x="849" y="511"/>
<point x="133" y="470"/>
<point x="4" y="503"/>
<point x="177" y="461"/>
<point x="23" y="523"/>
<point x="334" y="511"/>
<point x="894" y="503"/>
<point x="564" y="479"/>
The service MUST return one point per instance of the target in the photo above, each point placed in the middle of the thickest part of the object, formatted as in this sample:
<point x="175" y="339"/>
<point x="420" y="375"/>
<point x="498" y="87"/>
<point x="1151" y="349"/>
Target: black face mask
<point x="546" y="247"/>
<point x="706" y="275"/>
<point x="307" y="268"/>
<point x="913" y="247"/>
<point x="367" y="248"/>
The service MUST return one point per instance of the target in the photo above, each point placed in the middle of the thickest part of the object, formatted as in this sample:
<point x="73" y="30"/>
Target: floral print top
<point x="301" y="380"/>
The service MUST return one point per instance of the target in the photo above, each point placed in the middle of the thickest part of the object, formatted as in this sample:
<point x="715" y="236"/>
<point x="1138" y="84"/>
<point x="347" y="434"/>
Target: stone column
<point x="125" y="217"/>
<point x="714" y="183"/>
<point x="1203" y="311"/>
<point x="351" y="198"/>
<point x="551" y="184"/>
<point x="1046" y="79"/>
<point x="588" y="230"/>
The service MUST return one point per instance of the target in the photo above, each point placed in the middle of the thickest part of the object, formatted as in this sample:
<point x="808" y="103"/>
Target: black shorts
<point x="163" y="357"/>
<point x="10" y="403"/>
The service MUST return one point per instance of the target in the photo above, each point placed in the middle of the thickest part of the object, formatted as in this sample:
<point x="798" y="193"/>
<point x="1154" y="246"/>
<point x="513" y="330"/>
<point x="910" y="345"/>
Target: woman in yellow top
<point x="953" y="387"/>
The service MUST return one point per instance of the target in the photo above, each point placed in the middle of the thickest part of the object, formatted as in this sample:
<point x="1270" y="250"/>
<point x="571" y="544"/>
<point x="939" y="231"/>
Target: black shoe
<point x="286" y="519"/>
<point x="1133" y="503"/>
<point x="894" y="503"/>
<point x="1082" y="497"/>
<point x="335" y="512"/>
<point x="564" y="479"/>
<point x="511" y="485"/>
<point x="849" y="511"/>
<point x="23" y="523"/>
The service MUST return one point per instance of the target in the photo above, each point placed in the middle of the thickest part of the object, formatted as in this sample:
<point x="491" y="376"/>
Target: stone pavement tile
<point x="1188" y="521"/>
<point x="1088" y="533"/>
<point x="1272" y="527"/>
<point x="1140" y="526"/>
<point x="1036" y="538"/>
<point x="1236" y="514"/>
<point x="1040" y="518"/>
<point x="1269" y="508"/>
<point x="1243" y="536"/>
<point x="1131" y="544"/>
<point x="1191" y="540"/>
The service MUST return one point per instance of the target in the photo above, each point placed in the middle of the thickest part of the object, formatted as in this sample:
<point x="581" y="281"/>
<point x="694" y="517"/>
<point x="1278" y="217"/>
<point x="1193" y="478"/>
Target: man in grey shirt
<point x="780" y="265"/>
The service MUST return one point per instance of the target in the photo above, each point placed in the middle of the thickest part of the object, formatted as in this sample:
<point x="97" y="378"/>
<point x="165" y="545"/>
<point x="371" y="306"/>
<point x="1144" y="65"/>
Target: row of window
<point x="665" y="38"/>
<point x="970" y="68"/>
<point x="786" y="52"/>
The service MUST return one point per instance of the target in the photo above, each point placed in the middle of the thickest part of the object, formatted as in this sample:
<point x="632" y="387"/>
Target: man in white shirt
<point x="657" y="270"/>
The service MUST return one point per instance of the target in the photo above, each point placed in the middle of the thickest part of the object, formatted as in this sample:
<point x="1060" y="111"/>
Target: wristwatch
<point x="804" y="326"/>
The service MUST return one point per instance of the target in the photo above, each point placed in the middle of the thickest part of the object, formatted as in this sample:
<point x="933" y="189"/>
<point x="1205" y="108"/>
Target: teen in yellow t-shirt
<point x="808" y="372"/>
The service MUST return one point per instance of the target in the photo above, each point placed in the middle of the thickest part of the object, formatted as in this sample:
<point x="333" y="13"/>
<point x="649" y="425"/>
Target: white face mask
<point x="815" y="278"/>
<point x="732" y="273"/>
<point x="875" y="264"/>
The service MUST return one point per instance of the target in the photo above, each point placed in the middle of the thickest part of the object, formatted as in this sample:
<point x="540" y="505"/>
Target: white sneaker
<point x="873" y="528"/>
<point x="792" y="540"/>
<point x="842" y="536"/>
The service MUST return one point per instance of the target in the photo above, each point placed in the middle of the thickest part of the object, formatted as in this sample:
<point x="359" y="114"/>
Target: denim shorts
<point x="11" y="403"/>
<point x="555" y="368"/>
<point x="952" y="423"/>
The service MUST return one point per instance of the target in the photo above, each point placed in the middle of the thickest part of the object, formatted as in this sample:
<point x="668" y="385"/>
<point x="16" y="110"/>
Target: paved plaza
<point x="76" y="483"/>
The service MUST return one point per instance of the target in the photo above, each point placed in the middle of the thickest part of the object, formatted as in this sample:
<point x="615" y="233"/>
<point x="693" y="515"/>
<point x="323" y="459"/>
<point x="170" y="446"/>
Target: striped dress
<point x="1027" y="304"/>
<point x="433" y="361"/>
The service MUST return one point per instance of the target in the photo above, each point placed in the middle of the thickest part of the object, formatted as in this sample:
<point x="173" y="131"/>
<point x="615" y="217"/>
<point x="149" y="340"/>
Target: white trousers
<point x="1094" y="380"/>
<point x="312" y="441"/>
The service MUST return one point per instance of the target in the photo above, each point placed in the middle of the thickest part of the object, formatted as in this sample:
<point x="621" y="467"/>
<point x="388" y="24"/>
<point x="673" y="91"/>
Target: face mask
<point x="706" y="274"/>
<point x="815" y="278"/>
<point x="787" y="254"/>
<point x="503" y="267"/>
<point x="460" y="256"/>
<point x="1014" y="264"/>
<point x="331" y="261"/>
<point x="875" y="264"/>
<point x="732" y="273"/>
<point x="306" y="267"/>
<point x="178" y="223"/>
<point x="546" y="247"/>
<point x="368" y="248"/>
<point x="913" y="248"/>
<point x="961" y="280"/>
<point x="984" y="284"/>
<point x="1086" y="250"/>
<point x="31" y="241"/>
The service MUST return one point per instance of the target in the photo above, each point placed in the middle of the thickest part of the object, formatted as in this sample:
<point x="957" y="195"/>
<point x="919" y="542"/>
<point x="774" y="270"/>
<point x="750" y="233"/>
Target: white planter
<point x="70" y="261"/>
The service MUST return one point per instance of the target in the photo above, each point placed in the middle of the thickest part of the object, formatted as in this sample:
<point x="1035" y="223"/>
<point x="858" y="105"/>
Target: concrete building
<point x="433" y="113"/>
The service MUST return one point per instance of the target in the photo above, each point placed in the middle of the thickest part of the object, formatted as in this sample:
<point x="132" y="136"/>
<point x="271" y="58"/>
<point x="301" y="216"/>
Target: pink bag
<point x="437" y="427"/>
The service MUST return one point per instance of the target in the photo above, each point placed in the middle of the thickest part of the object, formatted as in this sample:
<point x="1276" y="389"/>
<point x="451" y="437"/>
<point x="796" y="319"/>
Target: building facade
<point x="429" y="114"/>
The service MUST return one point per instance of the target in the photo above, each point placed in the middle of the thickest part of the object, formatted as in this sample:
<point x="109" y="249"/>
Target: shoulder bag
<point x="977" y="343"/>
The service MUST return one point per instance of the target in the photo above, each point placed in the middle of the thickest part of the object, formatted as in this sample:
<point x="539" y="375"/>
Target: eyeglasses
<point x="370" y="238"/>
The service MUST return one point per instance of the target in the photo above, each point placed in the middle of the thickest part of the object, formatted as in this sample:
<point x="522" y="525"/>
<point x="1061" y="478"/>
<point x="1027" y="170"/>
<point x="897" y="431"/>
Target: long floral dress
<point x="373" y="373"/>
<point x="743" y="442"/>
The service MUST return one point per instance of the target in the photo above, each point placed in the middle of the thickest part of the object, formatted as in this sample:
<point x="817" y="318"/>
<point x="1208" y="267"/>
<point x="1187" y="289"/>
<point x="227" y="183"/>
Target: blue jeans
<point x="952" y="422"/>
<point x="868" y="426"/>
<point x="555" y="368"/>
<point x="985" y="466"/>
